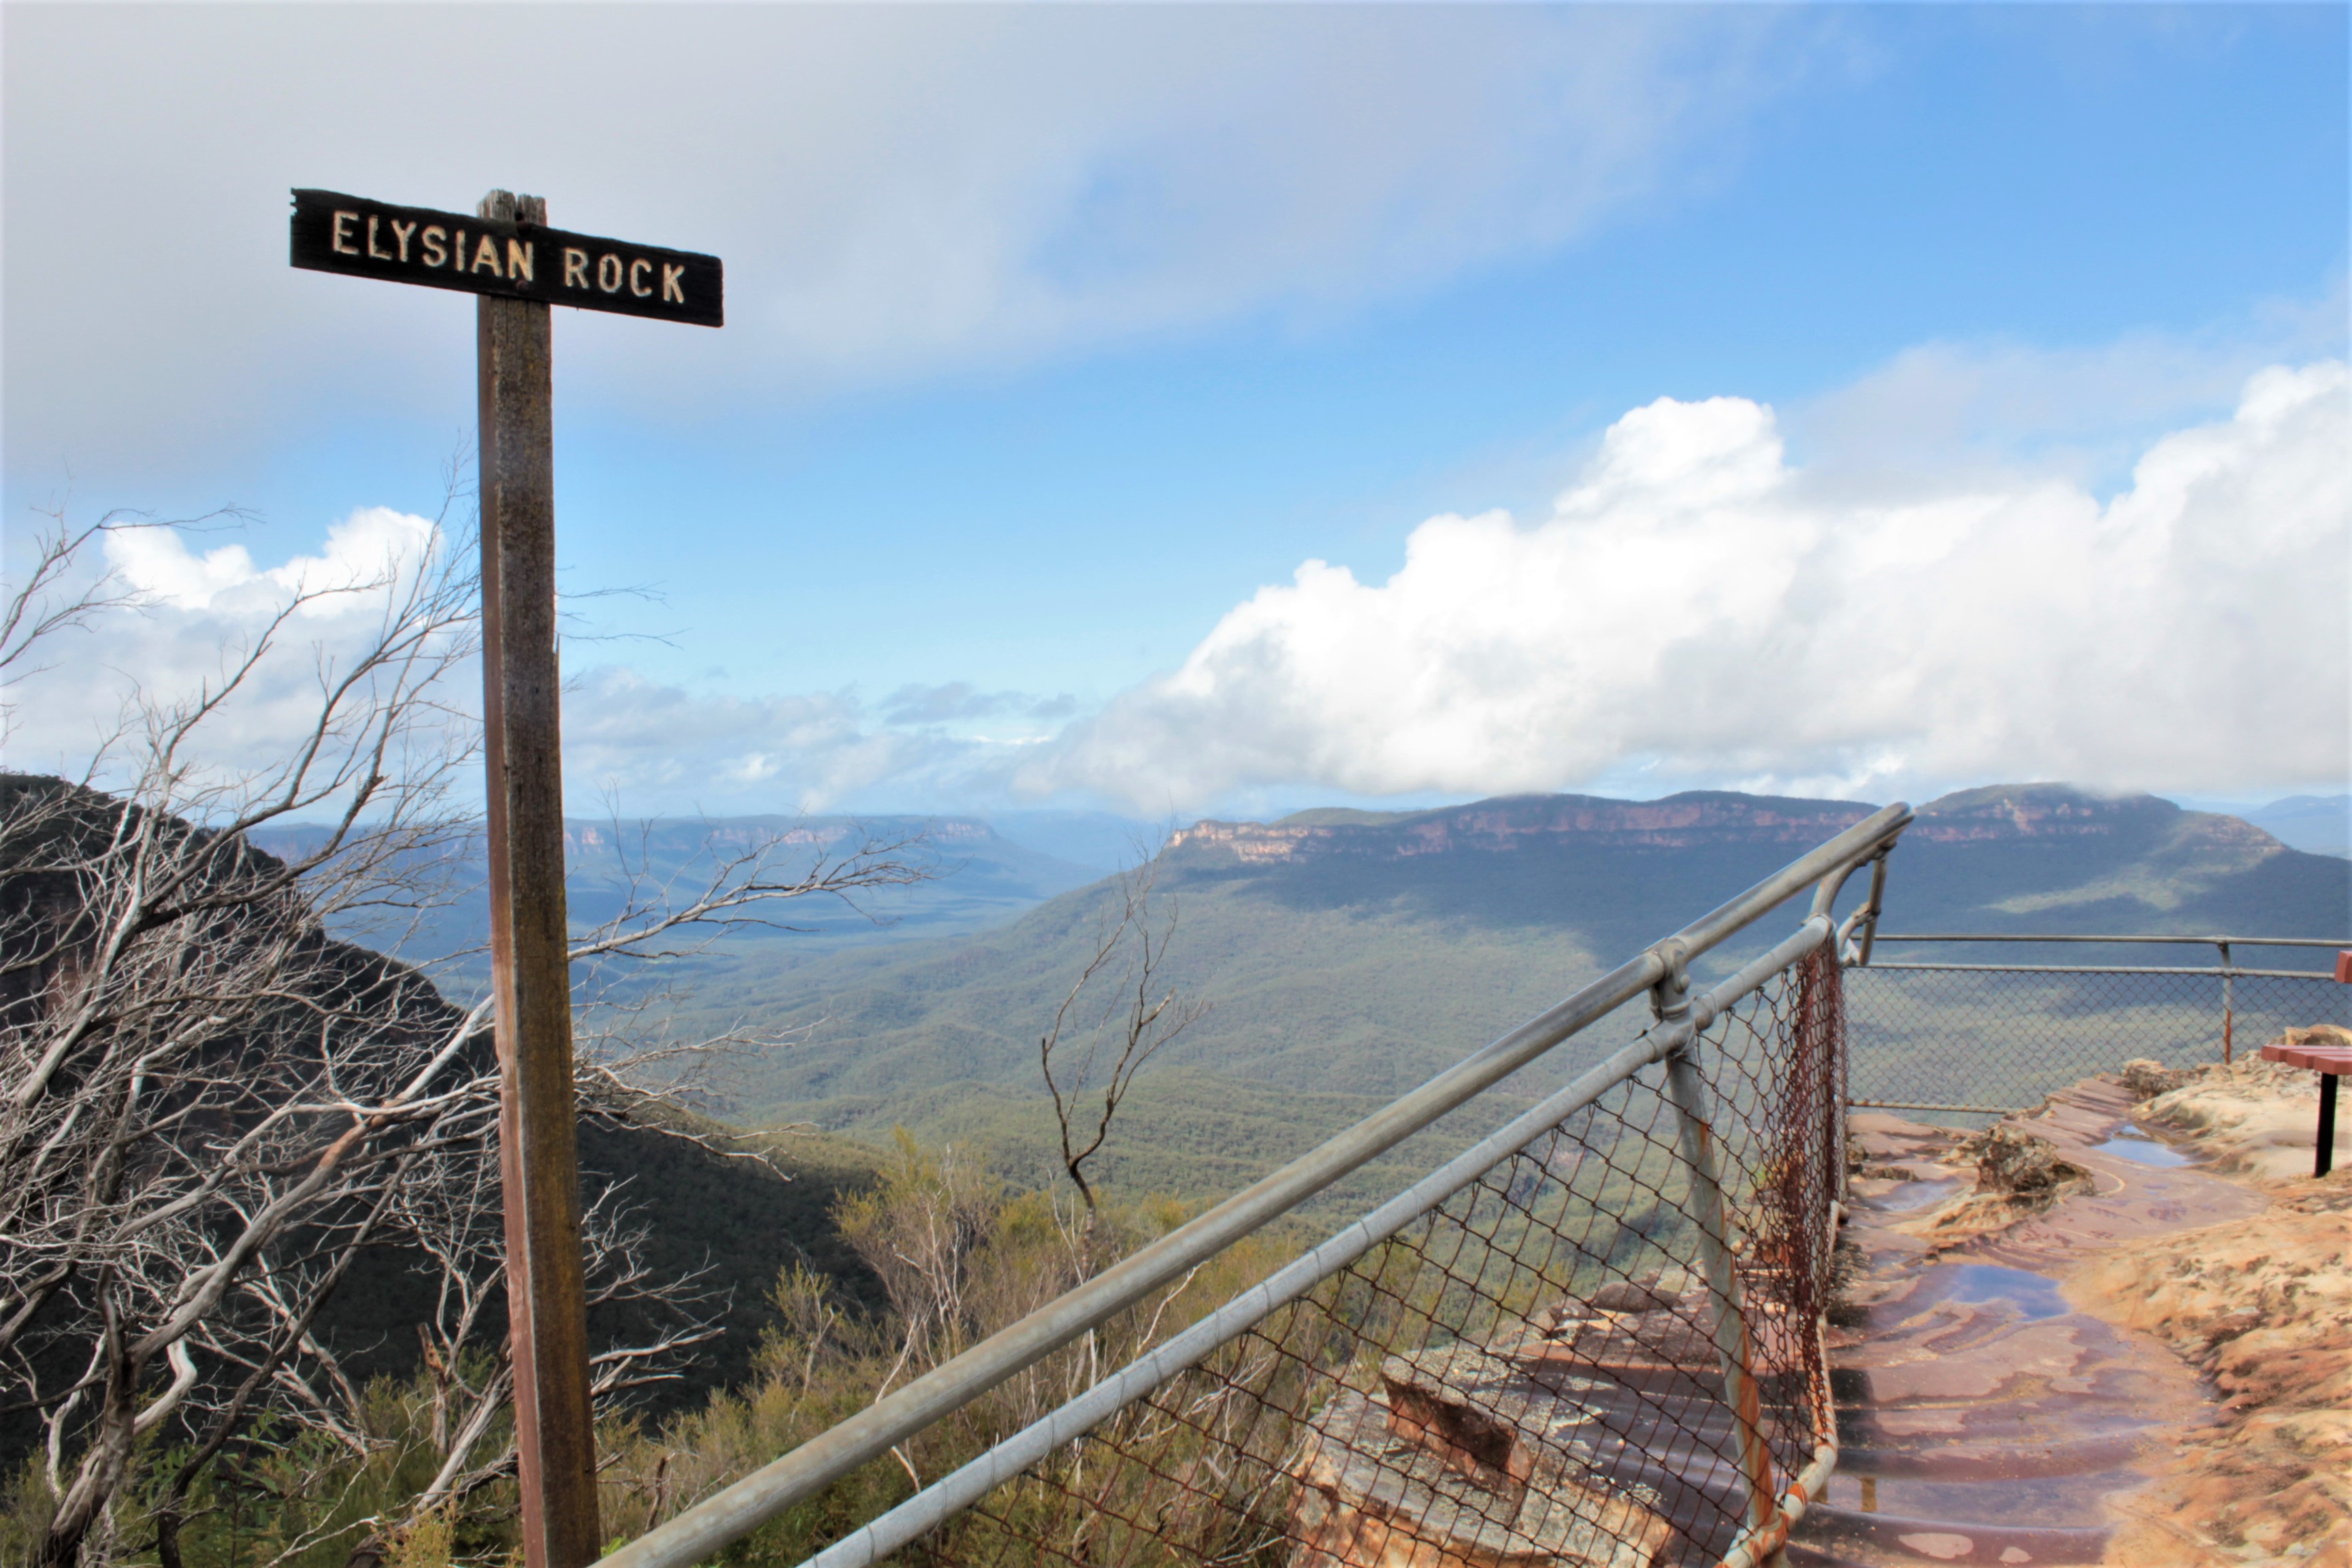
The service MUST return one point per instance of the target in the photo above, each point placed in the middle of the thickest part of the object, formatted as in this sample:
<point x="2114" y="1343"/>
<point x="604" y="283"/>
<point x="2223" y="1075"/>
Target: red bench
<point x="2330" y="1062"/>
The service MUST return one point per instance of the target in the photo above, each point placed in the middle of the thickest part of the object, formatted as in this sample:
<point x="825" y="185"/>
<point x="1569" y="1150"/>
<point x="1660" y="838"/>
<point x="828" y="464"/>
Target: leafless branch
<point x="210" y="1102"/>
<point x="1120" y="1002"/>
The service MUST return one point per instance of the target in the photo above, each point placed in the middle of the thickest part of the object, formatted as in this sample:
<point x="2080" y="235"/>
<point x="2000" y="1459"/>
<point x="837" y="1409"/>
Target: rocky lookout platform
<point x="2114" y="1330"/>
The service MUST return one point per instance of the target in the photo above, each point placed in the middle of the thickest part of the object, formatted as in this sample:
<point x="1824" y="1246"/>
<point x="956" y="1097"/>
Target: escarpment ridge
<point x="2000" y="813"/>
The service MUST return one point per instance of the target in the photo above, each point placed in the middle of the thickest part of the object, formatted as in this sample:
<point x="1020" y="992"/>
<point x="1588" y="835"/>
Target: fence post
<point x="1670" y="1000"/>
<point x="2229" y="1004"/>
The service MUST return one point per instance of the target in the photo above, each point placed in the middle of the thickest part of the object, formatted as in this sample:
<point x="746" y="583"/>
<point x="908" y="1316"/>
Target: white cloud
<point x="894" y="190"/>
<point x="663" y="747"/>
<point x="366" y="554"/>
<point x="203" y="600"/>
<point x="200" y="608"/>
<point x="1698" y="607"/>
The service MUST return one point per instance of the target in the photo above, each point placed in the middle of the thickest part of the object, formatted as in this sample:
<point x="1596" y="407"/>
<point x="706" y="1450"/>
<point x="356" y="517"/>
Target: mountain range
<point x="1346" y="955"/>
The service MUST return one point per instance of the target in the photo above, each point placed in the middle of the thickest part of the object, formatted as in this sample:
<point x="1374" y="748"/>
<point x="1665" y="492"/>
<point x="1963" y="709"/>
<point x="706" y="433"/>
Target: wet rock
<point x="1884" y="1147"/>
<point x="2018" y="1176"/>
<point x="2262" y="1307"/>
<point x="1983" y="1422"/>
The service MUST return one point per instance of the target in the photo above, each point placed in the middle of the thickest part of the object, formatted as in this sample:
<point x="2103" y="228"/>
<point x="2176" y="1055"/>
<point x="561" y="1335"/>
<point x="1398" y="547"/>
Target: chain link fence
<point x="1958" y="1038"/>
<point x="1593" y="1339"/>
<point x="1597" y="1349"/>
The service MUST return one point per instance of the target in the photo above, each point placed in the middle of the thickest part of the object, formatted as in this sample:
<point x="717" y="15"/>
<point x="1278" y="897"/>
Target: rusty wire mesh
<point x="1531" y="1371"/>
<point x="2005" y="1038"/>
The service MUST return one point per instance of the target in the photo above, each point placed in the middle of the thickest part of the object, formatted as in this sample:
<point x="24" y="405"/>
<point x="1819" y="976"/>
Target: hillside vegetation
<point x="1348" y="955"/>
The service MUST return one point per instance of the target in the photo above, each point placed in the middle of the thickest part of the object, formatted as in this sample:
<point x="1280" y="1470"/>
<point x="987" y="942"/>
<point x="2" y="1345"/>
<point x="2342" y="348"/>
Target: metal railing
<point x="1955" y="1037"/>
<point x="1595" y="1334"/>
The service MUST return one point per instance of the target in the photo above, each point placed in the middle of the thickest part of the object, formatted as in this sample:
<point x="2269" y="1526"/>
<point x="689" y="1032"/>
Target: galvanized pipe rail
<point x="735" y="1512"/>
<point x="2167" y="940"/>
<point x="2209" y="972"/>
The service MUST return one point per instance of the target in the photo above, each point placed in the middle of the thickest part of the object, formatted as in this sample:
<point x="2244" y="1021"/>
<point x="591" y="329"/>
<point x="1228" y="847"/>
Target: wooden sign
<point x="362" y="238"/>
<point x="506" y="254"/>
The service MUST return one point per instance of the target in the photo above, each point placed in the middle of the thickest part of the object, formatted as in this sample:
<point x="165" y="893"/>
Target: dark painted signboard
<point x="336" y="233"/>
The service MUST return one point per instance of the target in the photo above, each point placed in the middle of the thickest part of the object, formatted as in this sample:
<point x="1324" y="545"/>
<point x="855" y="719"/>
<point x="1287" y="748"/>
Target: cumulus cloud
<point x="199" y="607"/>
<point x="366" y="554"/>
<point x="1697" y="609"/>
<point x="1699" y="606"/>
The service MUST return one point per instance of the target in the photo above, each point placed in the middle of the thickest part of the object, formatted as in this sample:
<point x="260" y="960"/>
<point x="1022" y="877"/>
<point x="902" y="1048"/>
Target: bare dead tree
<point x="210" y="1103"/>
<point x="194" y="1069"/>
<point x="1122" y="1007"/>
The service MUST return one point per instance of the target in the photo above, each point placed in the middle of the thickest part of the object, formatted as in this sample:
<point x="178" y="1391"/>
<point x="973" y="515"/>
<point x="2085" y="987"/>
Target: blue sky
<point x="1057" y="334"/>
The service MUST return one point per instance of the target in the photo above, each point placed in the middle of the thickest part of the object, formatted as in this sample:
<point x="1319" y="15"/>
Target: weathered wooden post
<point x="539" y="1162"/>
<point x="507" y="255"/>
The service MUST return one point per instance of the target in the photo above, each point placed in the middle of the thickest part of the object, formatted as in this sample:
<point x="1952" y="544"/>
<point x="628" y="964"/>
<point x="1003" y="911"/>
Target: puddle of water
<point x="1915" y="1194"/>
<point x="2130" y="1143"/>
<point x="2031" y="1294"/>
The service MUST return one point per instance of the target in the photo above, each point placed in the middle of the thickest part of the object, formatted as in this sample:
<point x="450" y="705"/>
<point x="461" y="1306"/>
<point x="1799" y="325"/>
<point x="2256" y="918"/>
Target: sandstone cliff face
<point x="2000" y="813"/>
<point x="1519" y="822"/>
<point x="2039" y="811"/>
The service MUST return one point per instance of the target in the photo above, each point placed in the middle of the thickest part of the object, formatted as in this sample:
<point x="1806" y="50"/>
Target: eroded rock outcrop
<point x="1434" y="1470"/>
<point x="2010" y="1173"/>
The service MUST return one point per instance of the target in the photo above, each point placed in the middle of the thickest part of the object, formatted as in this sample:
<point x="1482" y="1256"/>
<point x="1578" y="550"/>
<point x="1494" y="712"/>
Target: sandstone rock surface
<point x="2263" y="1309"/>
